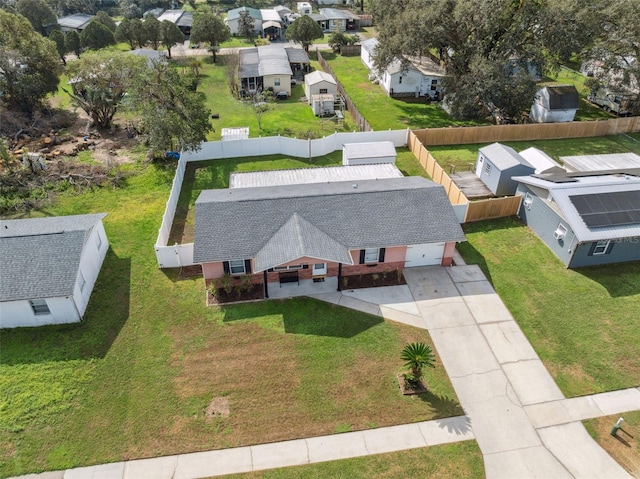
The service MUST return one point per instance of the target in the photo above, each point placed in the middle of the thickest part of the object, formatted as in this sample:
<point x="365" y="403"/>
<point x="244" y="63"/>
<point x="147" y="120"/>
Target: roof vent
<point x="354" y="186"/>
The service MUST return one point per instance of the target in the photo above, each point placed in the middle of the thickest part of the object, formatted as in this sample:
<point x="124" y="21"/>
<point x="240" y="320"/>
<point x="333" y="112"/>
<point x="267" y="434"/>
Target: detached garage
<point x="368" y="153"/>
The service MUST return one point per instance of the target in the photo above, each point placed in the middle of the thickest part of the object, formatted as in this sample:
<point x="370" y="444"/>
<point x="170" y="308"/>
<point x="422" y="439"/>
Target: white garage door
<point x="424" y="254"/>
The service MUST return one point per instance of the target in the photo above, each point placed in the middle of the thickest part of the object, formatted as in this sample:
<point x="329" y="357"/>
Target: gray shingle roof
<point x="41" y="256"/>
<point x="239" y="223"/>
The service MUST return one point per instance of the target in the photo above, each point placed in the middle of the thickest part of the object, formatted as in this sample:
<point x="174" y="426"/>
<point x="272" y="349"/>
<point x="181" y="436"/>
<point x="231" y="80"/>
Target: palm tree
<point x="417" y="356"/>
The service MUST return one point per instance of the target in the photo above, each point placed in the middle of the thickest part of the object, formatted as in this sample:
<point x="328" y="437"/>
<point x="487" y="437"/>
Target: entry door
<point x="479" y="166"/>
<point x="319" y="269"/>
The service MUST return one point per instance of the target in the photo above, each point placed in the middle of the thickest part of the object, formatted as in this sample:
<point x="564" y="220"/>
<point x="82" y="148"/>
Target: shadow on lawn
<point x="618" y="279"/>
<point x="107" y="312"/>
<point x="306" y="316"/>
<point x="472" y="256"/>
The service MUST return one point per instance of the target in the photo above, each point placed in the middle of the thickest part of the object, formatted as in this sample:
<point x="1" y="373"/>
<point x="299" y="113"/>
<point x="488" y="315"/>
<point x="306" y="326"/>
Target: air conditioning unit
<point x="559" y="234"/>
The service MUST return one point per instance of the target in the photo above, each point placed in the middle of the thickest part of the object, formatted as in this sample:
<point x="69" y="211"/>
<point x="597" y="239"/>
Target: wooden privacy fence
<point x="475" y="210"/>
<point x="361" y="121"/>
<point x="492" y="208"/>
<point x="542" y="131"/>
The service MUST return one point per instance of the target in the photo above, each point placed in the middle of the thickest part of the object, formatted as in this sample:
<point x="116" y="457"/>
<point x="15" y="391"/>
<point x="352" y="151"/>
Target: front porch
<point x="305" y="287"/>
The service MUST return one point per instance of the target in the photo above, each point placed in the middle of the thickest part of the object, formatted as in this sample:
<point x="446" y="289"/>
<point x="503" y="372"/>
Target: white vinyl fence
<point x="182" y="255"/>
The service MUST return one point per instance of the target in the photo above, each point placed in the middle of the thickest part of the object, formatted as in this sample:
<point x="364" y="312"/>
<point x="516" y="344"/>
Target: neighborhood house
<point x="270" y="67"/>
<point x="331" y="230"/>
<point x="49" y="267"/>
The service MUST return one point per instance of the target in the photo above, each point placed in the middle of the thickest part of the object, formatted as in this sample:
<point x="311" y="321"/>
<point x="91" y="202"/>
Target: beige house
<point x="270" y="67"/>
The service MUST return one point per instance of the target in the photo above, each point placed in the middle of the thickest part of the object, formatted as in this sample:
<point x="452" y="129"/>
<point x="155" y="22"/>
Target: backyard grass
<point x="290" y="117"/>
<point x="462" y="460"/>
<point x="135" y="377"/>
<point x="582" y="323"/>
<point x="625" y="447"/>
<point x="381" y="111"/>
<point x="463" y="157"/>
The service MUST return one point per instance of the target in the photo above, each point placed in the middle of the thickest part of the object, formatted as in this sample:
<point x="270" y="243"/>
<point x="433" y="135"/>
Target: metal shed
<point x="368" y="153"/>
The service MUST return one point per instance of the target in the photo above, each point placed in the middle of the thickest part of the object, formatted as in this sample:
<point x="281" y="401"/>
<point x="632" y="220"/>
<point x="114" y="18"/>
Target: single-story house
<point x="233" y="16"/>
<point x="555" y="104"/>
<point x="497" y="164"/>
<point x="331" y="229"/>
<point x="182" y="19"/>
<point x="282" y="11"/>
<point x="49" y="267"/>
<point x="321" y="90"/>
<point x="419" y="76"/>
<point x="370" y="153"/>
<point x="334" y="20"/>
<point x="270" y="66"/>
<point x="585" y="219"/>
<point x="609" y="161"/>
<point x="76" y="22"/>
<point x="271" y="24"/>
<point x="542" y="162"/>
<point x="304" y="8"/>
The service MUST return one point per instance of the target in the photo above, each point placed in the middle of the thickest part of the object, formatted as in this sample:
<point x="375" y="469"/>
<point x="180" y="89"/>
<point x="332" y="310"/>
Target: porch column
<point x="266" y="288"/>
<point x="339" y="277"/>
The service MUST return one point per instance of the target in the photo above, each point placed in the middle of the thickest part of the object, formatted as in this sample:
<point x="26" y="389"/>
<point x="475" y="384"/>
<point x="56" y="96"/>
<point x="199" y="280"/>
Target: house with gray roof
<point x="49" y="268"/>
<point x="497" y="164"/>
<point x="270" y="66"/>
<point x="586" y="219"/>
<point x="181" y="18"/>
<point x="324" y="230"/>
<point x="233" y="17"/>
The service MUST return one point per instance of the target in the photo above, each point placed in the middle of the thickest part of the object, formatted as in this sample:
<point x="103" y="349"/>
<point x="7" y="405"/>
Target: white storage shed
<point x="368" y="153"/>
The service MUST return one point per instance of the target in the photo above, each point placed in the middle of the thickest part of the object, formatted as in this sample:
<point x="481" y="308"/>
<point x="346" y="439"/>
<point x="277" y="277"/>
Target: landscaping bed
<point x="373" y="280"/>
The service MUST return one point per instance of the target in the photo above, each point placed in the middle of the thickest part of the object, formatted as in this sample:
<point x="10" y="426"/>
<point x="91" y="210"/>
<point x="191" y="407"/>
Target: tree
<point x="58" y="38"/>
<point x="39" y="14"/>
<point x="338" y="39"/>
<point x="209" y="28"/>
<point x="468" y="35"/>
<point x="104" y="18"/>
<point x="246" y="25"/>
<point x="417" y="356"/>
<point x="304" y="31"/>
<point x="170" y="35"/>
<point x="173" y="115"/>
<point x="99" y="82"/>
<point x="260" y="105"/>
<point x="29" y="66"/>
<point x="96" y="36"/>
<point x="151" y="27"/>
<point x="126" y="32"/>
<point x="72" y="42"/>
<point x="614" y="58"/>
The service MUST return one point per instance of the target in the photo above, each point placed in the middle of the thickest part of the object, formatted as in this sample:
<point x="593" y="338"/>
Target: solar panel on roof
<point x="608" y="209"/>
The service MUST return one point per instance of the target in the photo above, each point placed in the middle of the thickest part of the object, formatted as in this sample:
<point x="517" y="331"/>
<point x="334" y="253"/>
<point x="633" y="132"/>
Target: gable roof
<point x="269" y="60"/>
<point x="41" y="256"/>
<point x="77" y="21"/>
<point x="503" y="157"/>
<point x="559" y="97"/>
<point x="539" y="159"/>
<point x="239" y="223"/>
<point x="562" y="191"/>
<point x="318" y="76"/>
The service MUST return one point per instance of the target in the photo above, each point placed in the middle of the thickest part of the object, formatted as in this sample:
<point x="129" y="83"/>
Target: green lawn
<point x="586" y="111"/>
<point x="382" y="112"/>
<point x="291" y="117"/>
<point x="464" y="156"/>
<point x="462" y="460"/>
<point x="134" y="379"/>
<point x="582" y="323"/>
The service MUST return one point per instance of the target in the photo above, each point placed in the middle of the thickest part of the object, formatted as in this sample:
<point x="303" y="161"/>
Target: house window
<point x="601" y="247"/>
<point x="434" y="82"/>
<point x="237" y="266"/>
<point x="98" y="241"/>
<point x="286" y="268"/>
<point x="371" y="255"/>
<point x="39" y="306"/>
<point x="323" y="91"/>
<point x="276" y="82"/>
<point x="81" y="281"/>
<point x="487" y="168"/>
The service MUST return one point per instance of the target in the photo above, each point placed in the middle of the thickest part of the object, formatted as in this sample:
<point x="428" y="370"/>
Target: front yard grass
<point x="464" y="157"/>
<point x="625" y="447"/>
<point x="462" y="460"/>
<point x="135" y="377"/>
<point x="582" y="323"/>
<point x="381" y="111"/>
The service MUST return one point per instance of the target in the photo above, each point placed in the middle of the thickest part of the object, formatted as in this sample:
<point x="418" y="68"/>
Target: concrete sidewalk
<point x="280" y="454"/>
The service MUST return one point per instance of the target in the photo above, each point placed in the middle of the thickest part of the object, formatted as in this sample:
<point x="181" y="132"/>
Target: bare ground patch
<point x="624" y="447"/>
